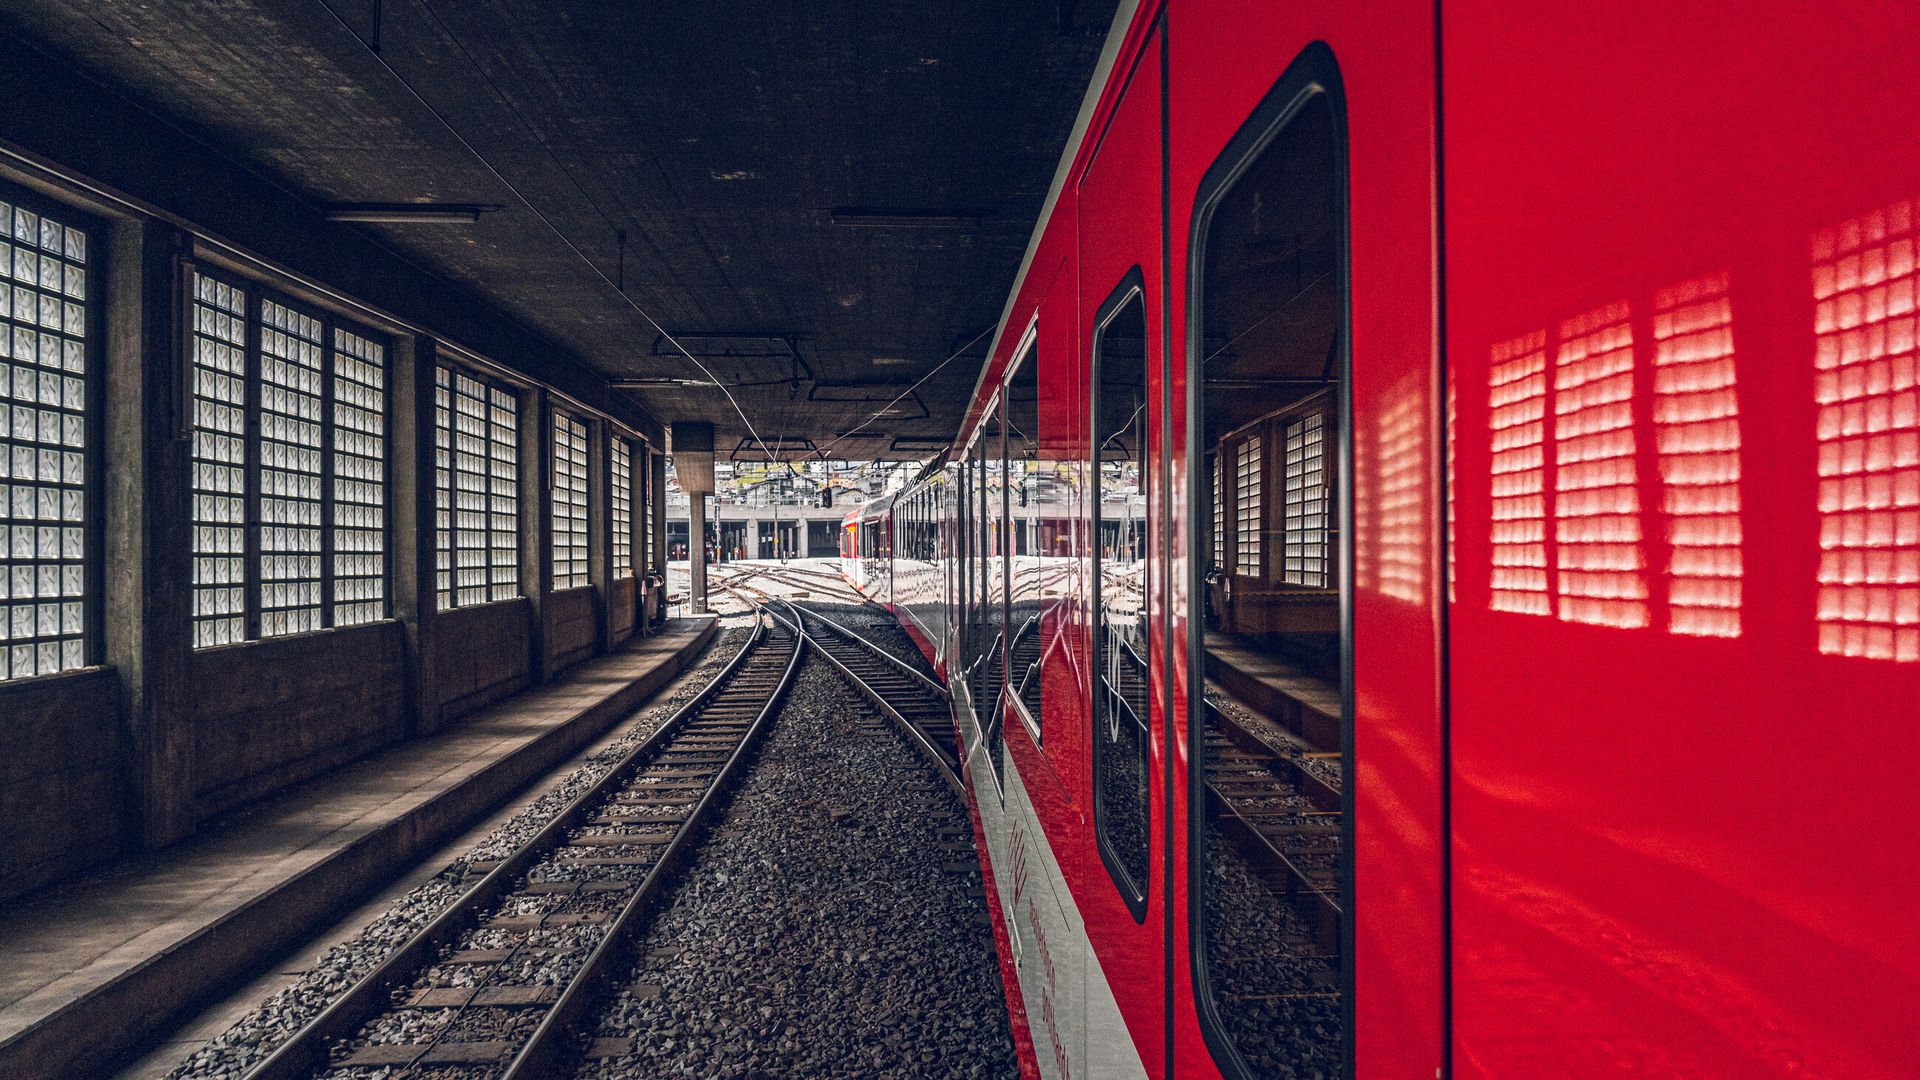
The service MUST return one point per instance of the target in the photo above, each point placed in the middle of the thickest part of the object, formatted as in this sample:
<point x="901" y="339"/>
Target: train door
<point x="1124" y="897"/>
<point x="1309" y="599"/>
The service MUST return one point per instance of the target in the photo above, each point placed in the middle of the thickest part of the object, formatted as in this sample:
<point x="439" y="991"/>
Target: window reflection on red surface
<point x="1598" y="542"/>
<point x="1518" y="387"/>
<point x="1453" y="422"/>
<point x="1696" y="418"/>
<point x="1869" y="435"/>
<point x="1402" y="497"/>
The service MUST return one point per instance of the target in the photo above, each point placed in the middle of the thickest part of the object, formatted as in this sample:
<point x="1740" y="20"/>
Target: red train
<point x="1511" y="410"/>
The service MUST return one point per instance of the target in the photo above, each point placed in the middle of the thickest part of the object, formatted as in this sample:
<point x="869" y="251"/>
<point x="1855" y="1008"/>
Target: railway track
<point x="501" y="978"/>
<point x="1288" y="818"/>
<point x="916" y="704"/>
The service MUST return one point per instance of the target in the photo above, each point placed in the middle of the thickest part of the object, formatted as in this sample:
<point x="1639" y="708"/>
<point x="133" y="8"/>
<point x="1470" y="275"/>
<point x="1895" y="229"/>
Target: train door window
<point x="993" y="599"/>
<point x="1120" y="488"/>
<point x="1029" y="487"/>
<point x="1268" y="347"/>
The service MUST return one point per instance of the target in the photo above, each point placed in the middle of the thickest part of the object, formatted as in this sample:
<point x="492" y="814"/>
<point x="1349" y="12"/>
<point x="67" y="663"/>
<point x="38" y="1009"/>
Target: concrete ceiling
<point x="822" y="200"/>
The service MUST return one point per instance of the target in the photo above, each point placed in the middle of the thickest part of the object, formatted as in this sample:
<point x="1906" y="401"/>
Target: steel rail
<point x="912" y="731"/>
<point x="544" y="1052"/>
<point x="306" y="1050"/>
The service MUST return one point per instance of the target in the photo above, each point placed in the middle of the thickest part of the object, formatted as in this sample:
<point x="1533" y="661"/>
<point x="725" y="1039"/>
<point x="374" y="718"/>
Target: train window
<point x="1121" y="478"/>
<point x="993" y="564"/>
<point x="1030" y="488"/>
<point x="49" y="453"/>
<point x="1270" y="919"/>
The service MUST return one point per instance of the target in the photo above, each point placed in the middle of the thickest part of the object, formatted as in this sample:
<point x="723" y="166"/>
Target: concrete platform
<point x="91" y="970"/>
<point x="1307" y="706"/>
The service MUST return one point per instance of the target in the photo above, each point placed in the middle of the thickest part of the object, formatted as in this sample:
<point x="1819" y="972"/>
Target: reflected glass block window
<point x="476" y="490"/>
<point x="1305" y="510"/>
<point x="1597" y="536"/>
<point x="1517" y="386"/>
<point x="1868" y="427"/>
<point x="1402" y="499"/>
<point x="44" y="444"/>
<point x="620" y="504"/>
<point x="290" y="477"/>
<point x="569" y="521"/>
<point x="359" y="497"/>
<point x="1219" y="520"/>
<point x="1696" y="420"/>
<point x="1246" y="506"/>
<point x="219" y="462"/>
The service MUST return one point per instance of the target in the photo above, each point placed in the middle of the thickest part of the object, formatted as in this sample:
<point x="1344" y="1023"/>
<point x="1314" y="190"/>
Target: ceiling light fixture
<point x="901" y="218"/>
<point x="409" y="213"/>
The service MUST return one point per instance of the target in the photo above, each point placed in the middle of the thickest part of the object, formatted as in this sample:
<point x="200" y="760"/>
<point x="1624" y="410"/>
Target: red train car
<point x="1431" y="572"/>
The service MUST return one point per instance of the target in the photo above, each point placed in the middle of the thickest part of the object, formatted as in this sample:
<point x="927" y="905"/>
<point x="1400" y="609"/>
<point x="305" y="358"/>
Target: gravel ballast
<point x="833" y="924"/>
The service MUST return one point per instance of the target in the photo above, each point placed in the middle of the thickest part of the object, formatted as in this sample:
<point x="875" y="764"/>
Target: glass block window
<point x="219" y="462"/>
<point x="44" y="445"/>
<point x="620" y="504"/>
<point x="289" y="468"/>
<point x="647" y="552"/>
<point x="1246" y="508"/>
<point x="569" y="524"/>
<point x="476" y="490"/>
<point x="290" y="555"/>
<point x="359" y="496"/>
<point x="1305" y="512"/>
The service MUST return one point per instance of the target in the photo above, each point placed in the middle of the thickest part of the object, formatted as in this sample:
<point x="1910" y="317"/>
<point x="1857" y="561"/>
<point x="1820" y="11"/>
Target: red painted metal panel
<point x="1120" y="230"/>
<point x="1680" y="269"/>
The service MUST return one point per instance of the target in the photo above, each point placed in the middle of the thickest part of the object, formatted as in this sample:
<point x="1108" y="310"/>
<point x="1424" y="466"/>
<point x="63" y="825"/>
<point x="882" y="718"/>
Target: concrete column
<point x="693" y="464"/>
<point x="536" y="515"/>
<point x="599" y="535"/>
<point x="147" y="531"/>
<point x="697" y="550"/>
<point x="412" y="519"/>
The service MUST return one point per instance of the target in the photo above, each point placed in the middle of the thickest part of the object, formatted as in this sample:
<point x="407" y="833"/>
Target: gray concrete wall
<point x="480" y="655"/>
<point x="272" y="713"/>
<point x="621" y="600"/>
<point x="572" y="627"/>
<point x="64" y="792"/>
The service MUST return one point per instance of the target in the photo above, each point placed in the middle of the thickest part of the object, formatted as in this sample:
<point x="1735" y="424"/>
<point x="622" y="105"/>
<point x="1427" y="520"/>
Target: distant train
<point x="1521" y="436"/>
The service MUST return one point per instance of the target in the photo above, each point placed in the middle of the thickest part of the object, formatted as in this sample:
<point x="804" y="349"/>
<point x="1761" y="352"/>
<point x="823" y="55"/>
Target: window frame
<point x="578" y="524"/>
<point x="619" y="505"/>
<point x="93" y="473"/>
<point x="1313" y="74"/>
<point x="1026" y="357"/>
<point x="449" y="600"/>
<point x="256" y="294"/>
<point x="1134" y="895"/>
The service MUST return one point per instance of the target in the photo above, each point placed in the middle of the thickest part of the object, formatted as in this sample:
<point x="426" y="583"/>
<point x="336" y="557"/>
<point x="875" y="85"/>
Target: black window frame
<point x="256" y="294"/>
<point x="1131" y="289"/>
<point x="93" y="473"/>
<point x="1313" y="74"/>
